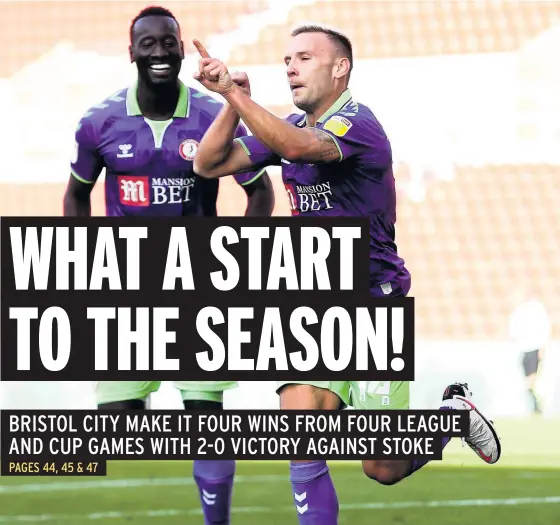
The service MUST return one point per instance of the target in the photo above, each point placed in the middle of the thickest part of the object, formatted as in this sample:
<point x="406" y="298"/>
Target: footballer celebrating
<point x="146" y="137"/>
<point x="339" y="146"/>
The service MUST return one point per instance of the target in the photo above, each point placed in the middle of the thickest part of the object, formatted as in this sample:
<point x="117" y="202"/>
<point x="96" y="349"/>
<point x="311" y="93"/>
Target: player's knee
<point x="307" y="397"/>
<point x="130" y="404"/>
<point x="196" y="405"/>
<point x="383" y="472"/>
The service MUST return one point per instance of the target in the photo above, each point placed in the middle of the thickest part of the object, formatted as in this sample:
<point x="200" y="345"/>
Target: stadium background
<point x="468" y="93"/>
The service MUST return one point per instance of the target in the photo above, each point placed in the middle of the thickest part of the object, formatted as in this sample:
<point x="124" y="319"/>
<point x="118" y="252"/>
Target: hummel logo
<point x="208" y="498"/>
<point x="124" y="154"/>
<point x="299" y="498"/>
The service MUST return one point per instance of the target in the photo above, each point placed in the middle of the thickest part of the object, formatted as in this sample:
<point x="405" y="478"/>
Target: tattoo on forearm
<point x="328" y="150"/>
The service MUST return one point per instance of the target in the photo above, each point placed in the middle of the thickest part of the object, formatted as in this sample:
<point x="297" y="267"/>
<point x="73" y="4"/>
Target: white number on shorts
<point x="380" y="388"/>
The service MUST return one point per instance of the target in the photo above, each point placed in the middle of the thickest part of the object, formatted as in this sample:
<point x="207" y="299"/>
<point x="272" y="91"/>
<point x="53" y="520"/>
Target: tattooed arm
<point x="304" y="145"/>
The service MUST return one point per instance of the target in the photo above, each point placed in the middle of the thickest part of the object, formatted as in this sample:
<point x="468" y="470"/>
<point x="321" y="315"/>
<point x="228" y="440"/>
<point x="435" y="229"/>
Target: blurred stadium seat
<point x="473" y="240"/>
<point x="470" y="231"/>
<point x="410" y="28"/>
<point x="100" y="26"/>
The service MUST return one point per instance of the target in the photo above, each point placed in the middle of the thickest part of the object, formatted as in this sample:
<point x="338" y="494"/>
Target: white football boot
<point x="482" y="437"/>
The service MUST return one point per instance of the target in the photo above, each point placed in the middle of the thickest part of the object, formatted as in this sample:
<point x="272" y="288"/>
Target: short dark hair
<point x="341" y="41"/>
<point x="152" y="11"/>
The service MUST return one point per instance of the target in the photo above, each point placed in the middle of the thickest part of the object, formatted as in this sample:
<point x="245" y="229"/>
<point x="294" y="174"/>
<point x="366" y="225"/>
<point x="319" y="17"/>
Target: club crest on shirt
<point x="188" y="149"/>
<point x="338" y="125"/>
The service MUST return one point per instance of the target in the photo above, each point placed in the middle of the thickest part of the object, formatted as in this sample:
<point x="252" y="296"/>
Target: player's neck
<point x="158" y="103"/>
<point x="312" y="118"/>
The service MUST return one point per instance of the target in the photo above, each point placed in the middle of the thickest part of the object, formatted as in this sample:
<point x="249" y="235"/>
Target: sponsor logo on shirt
<point x="172" y="190"/>
<point x="188" y="149"/>
<point x="134" y="191"/>
<point x="125" y="151"/>
<point x="338" y="125"/>
<point x="140" y="191"/>
<point x="292" y="198"/>
<point x="308" y="198"/>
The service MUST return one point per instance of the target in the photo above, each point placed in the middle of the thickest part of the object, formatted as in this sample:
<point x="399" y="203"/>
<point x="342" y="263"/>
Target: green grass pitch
<point x="522" y="489"/>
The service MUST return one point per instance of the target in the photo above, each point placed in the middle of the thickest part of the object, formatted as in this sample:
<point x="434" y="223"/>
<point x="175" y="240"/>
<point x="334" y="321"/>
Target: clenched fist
<point x="242" y="80"/>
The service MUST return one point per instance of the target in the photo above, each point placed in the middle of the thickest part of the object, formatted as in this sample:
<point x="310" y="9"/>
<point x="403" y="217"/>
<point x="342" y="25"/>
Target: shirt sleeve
<point x="359" y="136"/>
<point x="259" y="154"/>
<point x="87" y="163"/>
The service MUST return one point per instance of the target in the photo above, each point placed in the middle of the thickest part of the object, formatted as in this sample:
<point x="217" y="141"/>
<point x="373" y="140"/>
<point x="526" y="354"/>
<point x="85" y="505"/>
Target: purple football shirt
<point x="361" y="184"/>
<point x="149" y="164"/>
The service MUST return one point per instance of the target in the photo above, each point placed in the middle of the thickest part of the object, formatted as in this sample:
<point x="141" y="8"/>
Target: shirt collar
<point x="338" y="104"/>
<point x="181" y="111"/>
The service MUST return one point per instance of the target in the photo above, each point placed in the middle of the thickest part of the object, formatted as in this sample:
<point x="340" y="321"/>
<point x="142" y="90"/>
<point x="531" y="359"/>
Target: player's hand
<point x="212" y="73"/>
<point x="242" y="80"/>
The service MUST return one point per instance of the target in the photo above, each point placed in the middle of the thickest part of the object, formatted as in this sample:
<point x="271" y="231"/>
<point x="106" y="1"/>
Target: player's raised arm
<point x="299" y="145"/>
<point x="85" y="168"/>
<point x="303" y="145"/>
<point x="219" y="154"/>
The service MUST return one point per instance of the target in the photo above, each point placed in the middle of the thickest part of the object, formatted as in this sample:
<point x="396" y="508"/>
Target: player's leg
<point x="385" y="395"/>
<point x="124" y="395"/>
<point x="214" y="478"/>
<point x="382" y="395"/>
<point x="314" y="493"/>
<point x="531" y="361"/>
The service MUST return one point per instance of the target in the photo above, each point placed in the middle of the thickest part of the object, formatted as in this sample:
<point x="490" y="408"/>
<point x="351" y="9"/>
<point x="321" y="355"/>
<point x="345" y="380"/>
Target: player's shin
<point x="215" y="485"/>
<point x="389" y="472"/>
<point x="417" y="464"/>
<point x="314" y="493"/>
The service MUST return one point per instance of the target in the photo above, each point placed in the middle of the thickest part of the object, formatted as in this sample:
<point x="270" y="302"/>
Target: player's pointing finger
<point x="201" y="49"/>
